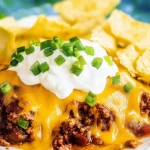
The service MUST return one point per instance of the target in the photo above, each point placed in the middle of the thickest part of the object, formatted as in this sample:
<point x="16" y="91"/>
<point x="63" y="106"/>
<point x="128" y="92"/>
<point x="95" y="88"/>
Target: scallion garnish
<point x="59" y="60"/>
<point x="53" y="45"/>
<point x="59" y="41"/>
<point x="13" y="55"/>
<point x="116" y="80"/>
<point x="35" y="68"/>
<point x="23" y="123"/>
<point x="82" y="60"/>
<point x="30" y="50"/>
<point x="89" y="50"/>
<point x="73" y="39"/>
<point x="44" y="44"/>
<point x="20" y="49"/>
<point x="78" y="45"/>
<point x="76" y="52"/>
<point x="14" y="62"/>
<point x="44" y="67"/>
<point x="34" y="43"/>
<point x="48" y="51"/>
<point x="19" y="58"/>
<point x="90" y="99"/>
<point x="67" y="49"/>
<point x="5" y="87"/>
<point x="77" y="68"/>
<point x="109" y="60"/>
<point x="128" y="87"/>
<point x="97" y="62"/>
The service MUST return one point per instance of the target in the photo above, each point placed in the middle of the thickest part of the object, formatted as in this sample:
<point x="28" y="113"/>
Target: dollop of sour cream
<point x="59" y="79"/>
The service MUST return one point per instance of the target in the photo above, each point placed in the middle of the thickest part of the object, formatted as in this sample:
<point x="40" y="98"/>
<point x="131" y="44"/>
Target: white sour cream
<point x="59" y="79"/>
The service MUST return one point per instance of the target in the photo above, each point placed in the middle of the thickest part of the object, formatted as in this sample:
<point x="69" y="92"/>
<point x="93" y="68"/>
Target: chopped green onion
<point x="23" y="123"/>
<point x="30" y="50"/>
<point x="116" y="80"/>
<point x="44" y="67"/>
<point x="19" y="58"/>
<point x="82" y="60"/>
<point x="2" y="15"/>
<point x="77" y="68"/>
<point x="76" y="52"/>
<point x="97" y="62"/>
<point x="53" y="45"/>
<point x="67" y="49"/>
<point x="13" y="55"/>
<point x="60" y="60"/>
<point x="128" y="87"/>
<point x="34" y="43"/>
<point x="78" y="45"/>
<point x="48" y="51"/>
<point x="90" y="99"/>
<point x="5" y="87"/>
<point x="20" y="49"/>
<point x="73" y="39"/>
<point x="45" y="44"/>
<point x="109" y="60"/>
<point x="59" y="41"/>
<point x="89" y="50"/>
<point x="14" y="63"/>
<point x="35" y="68"/>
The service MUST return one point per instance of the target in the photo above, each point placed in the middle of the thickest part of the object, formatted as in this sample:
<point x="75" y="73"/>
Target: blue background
<point x="139" y="9"/>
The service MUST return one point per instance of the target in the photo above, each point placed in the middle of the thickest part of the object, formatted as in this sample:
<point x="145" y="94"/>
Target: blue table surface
<point x="139" y="9"/>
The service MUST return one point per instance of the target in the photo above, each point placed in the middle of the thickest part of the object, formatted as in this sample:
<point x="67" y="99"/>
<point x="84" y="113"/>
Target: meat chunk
<point x="10" y="132"/>
<point x="76" y="130"/>
<point x="131" y="144"/>
<point x="145" y="103"/>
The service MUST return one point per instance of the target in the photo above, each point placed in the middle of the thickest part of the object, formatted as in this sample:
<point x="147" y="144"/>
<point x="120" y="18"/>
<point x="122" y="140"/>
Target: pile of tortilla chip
<point x="124" y="38"/>
<point x="133" y="43"/>
<point x="74" y="19"/>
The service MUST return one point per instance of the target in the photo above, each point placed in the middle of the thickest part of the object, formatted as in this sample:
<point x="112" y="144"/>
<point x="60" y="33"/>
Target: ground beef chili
<point x="145" y="103"/>
<point x="131" y="144"/>
<point x="76" y="130"/>
<point x="10" y="132"/>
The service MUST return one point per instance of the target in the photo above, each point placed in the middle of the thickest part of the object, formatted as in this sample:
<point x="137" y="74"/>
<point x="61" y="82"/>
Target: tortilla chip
<point x="143" y="63"/>
<point x="48" y="27"/>
<point x="129" y="30"/>
<point x="128" y="57"/>
<point x="77" y="11"/>
<point x="104" y="39"/>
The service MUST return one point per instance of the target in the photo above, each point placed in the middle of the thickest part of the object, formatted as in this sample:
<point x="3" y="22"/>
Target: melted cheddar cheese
<point x="51" y="110"/>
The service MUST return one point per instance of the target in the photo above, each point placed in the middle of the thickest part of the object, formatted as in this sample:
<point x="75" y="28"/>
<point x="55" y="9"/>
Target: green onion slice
<point x="90" y="99"/>
<point x="19" y="58"/>
<point x="5" y="87"/>
<point x="128" y="88"/>
<point x="23" y="123"/>
<point x="30" y="50"/>
<point x="20" y="49"/>
<point x="76" y="52"/>
<point x="35" y="68"/>
<point x="59" y="60"/>
<point x="77" y="68"/>
<point x="73" y="39"/>
<point x="67" y="49"/>
<point x="78" y="45"/>
<point x="13" y="55"/>
<point x="58" y="41"/>
<point x="109" y="60"/>
<point x="34" y="43"/>
<point x="97" y="62"/>
<point x="116" y="80"/>
<point x="89" y="50"/>
<point x="82" y="60"/>
<point x="45" y="44"/>
<point x="14" y="63"/>
<point x="48" y="51"/>
<point x="44" y="67"/>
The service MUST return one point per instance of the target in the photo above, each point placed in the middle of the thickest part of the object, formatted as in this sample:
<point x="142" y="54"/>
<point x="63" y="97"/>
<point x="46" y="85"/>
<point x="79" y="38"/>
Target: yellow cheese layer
<point x="51" y="110"/>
